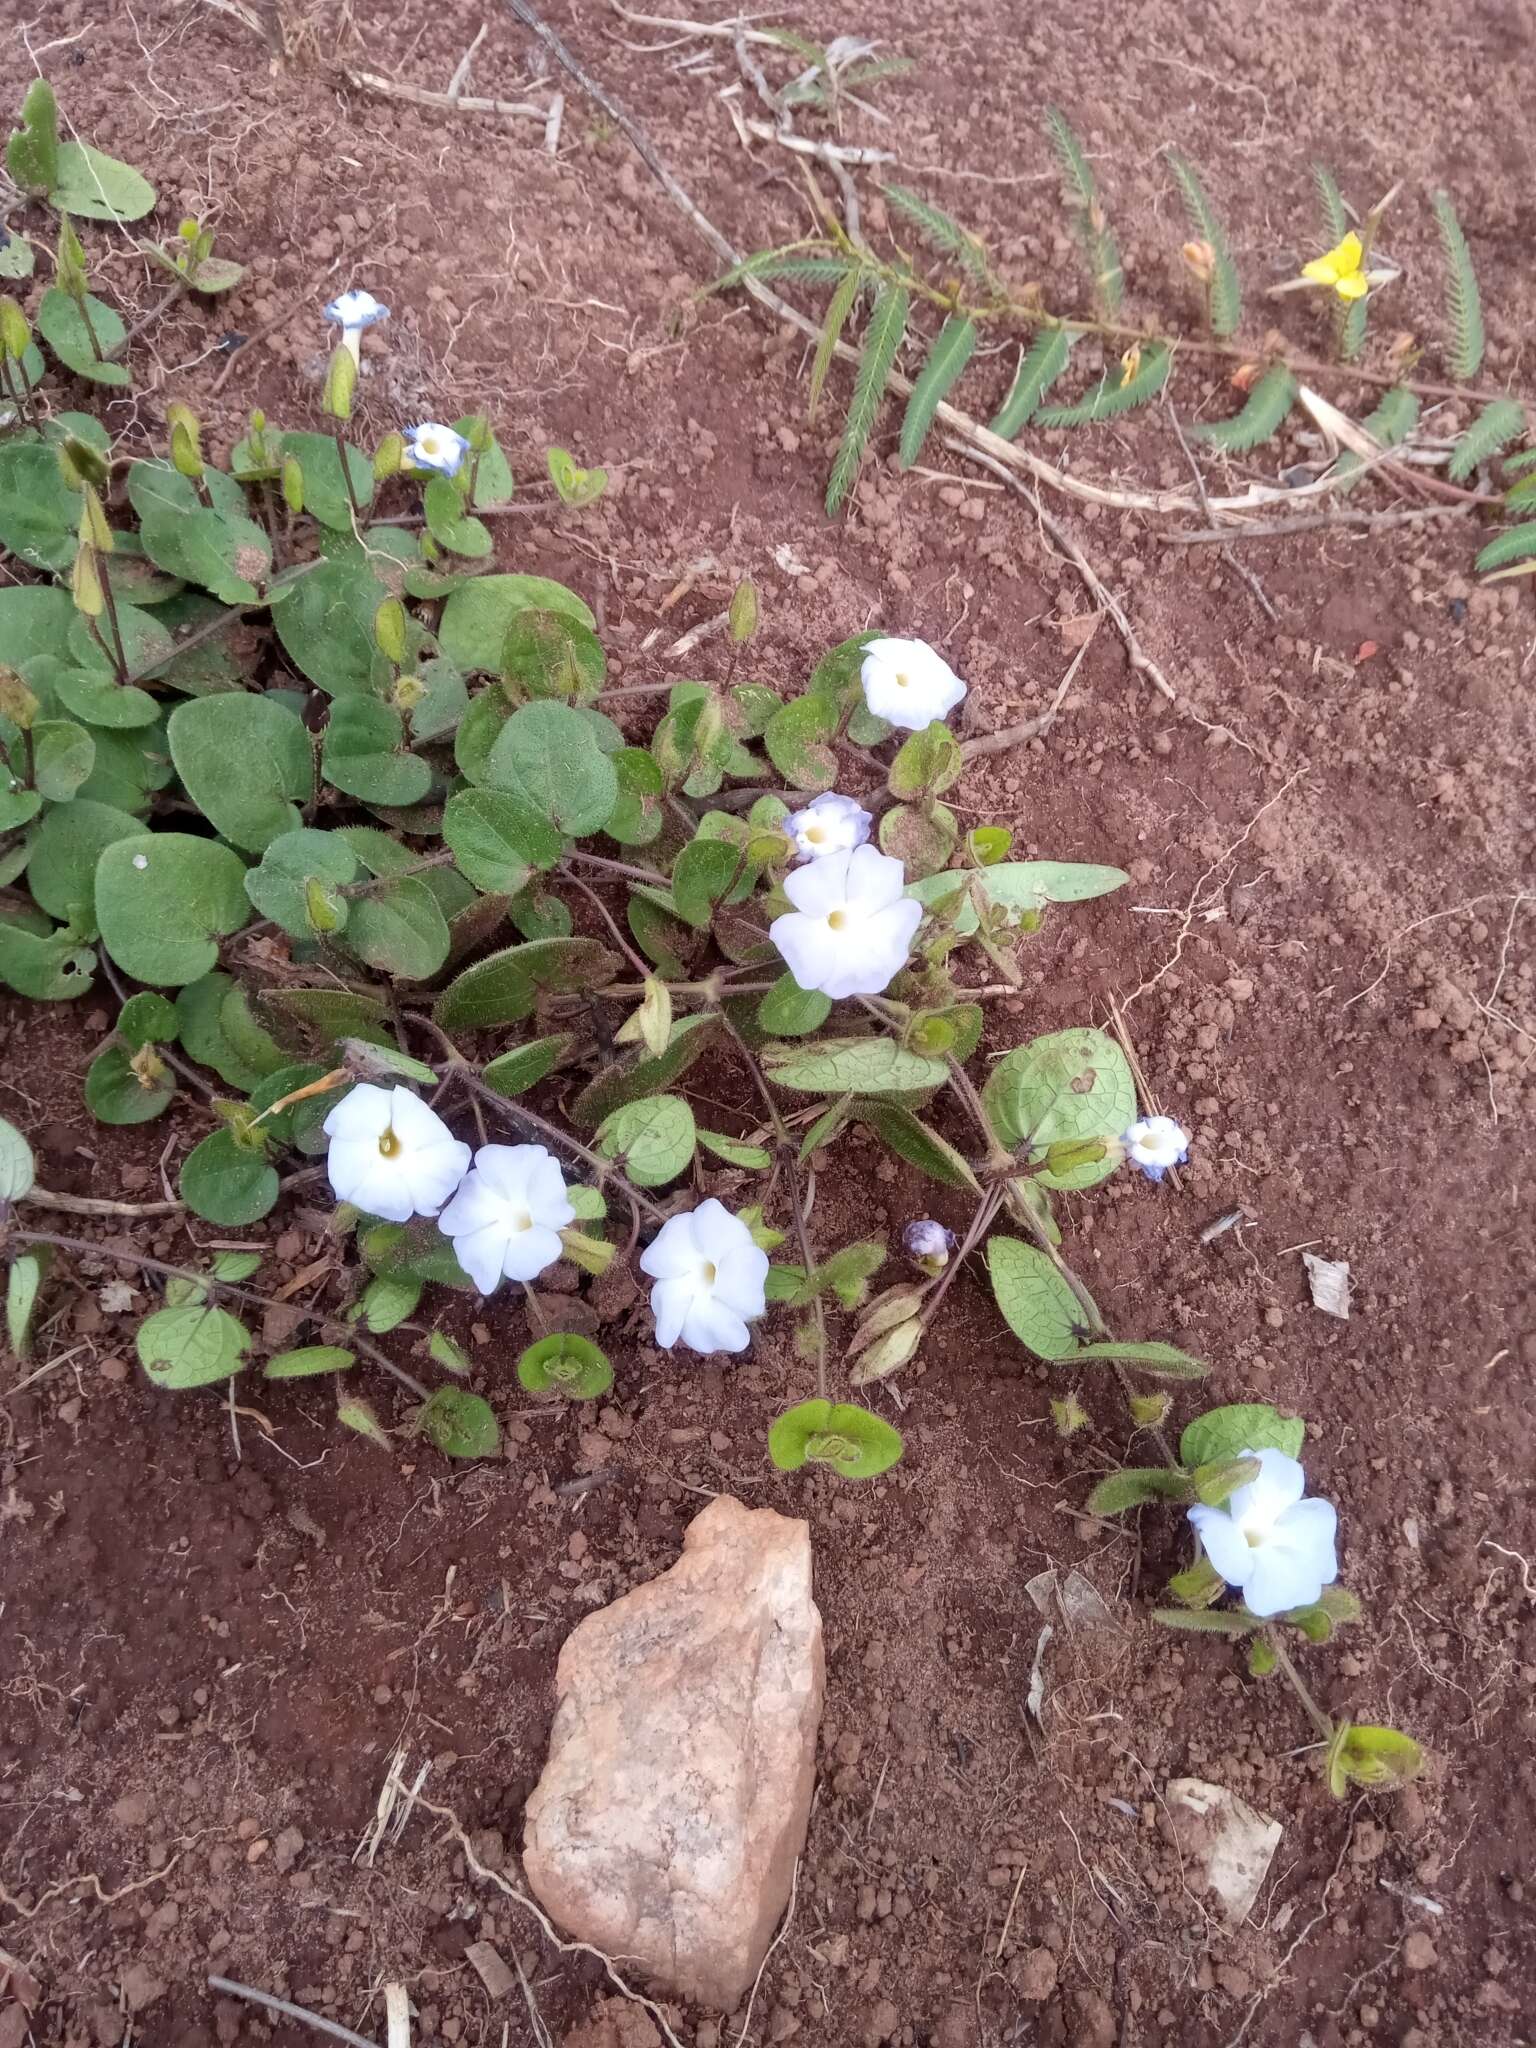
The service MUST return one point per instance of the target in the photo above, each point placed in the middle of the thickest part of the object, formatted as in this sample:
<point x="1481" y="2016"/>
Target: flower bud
<point x="928" y="1244"/>
<point x="1199" y="261"/>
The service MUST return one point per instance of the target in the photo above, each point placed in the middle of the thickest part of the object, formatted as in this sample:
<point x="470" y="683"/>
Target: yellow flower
<point x="1341" y="269"/>
<point x="1130" y="363"/>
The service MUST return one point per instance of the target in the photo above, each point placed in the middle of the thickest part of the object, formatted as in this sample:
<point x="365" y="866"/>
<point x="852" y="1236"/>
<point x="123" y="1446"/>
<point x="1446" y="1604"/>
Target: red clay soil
<point x="208" y="1657"/>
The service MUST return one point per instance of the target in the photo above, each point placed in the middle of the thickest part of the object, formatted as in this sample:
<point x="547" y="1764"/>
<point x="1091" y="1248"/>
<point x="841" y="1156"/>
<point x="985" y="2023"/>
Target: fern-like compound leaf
<point x="887" y="325"/>
<point x="1516" y="545"/>
<point x="945" y="234"/>
<point x="1115" y="393"/>
<point x="1521" y="495"/>
<point x="948" y="357"/>
<point x="831" y="330"/>
<point x="1523" y="458"/>
<point x="1494" y="428"/>
<point x="1349" y="315"/>
<point x="1205" y="224"/>
<point x="1092" y="229"/>
<point x="1389" y="426"/>
<point x="1464" y="300"/>
<point x="1268" y="403"/>
<point x="1039" y="367"/>
<point x="792" y="264"/>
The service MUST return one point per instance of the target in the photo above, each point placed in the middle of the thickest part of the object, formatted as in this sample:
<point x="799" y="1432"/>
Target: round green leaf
<point x="192" y="1346"/>
<point x="309" y="1360"/>
<point x="525" y="1064"/>
<point x="18" y="1169"/>
<point x="1223" y="1433"/>
<point x="200" y="1016"/>
<point x="473" y="629"/>
<point x="1068" y="1085"/>
<point x="568" y="1365"/>
<point x="39" y="512"/>
<point x="796" y="739"/>
<point x="245" y="761"/>
<point x="364" y="754"/>
<point x="401" y="931"/>
<point x="790" y="1011"/>
<point x="325" y="490"/>
<point x="857" y="1066"/>
<point x="461" y="1424"/>
<point x="548" y="754"/>
<point x="653" y="1138"/>
<point x="147" y="646"/>
<point x="51" y="967"/>
<point x="636" y="819"/>
<point x="224" y="1182"/>
<point x="551" y="654"/>
<point x="164" y="899"/>
<point x="81" y="347"/>
<point x="93" y="186"/>
<point x="498" y="839"/>
<point x="94" y="695"/>
<point x="856" y="1443"/>
<point x="503" y="988"/>
<point x="147" y="1019"/>
<point x="115" y="1094"/>
<point x="64" y="755"/>
<point x="297" y="881"/>
<point x="326" y="627"/>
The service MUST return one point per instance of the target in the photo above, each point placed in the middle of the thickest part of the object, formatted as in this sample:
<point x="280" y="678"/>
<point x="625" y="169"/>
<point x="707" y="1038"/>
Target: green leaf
<point x="39" y="512"/>
<point x="551" y="654"/>
<point x="1115" y="393"/>
<point x="1080" y="189"/>
<point x="628" y="1082"/>
<point x="164" y="899"/>
<point x="450" y="525"/>
<point x="703" y="872"/>
<point x="1066" y="1086"/>
<point x="386" y="1302"/>
<point x="1226" y="291"/>
<point x="364" y="753"/>
<point x="226" y="1182"/>
<point x="1464" y="300"/>
<point x="796" y="741"/>
<point x="856" y="1066"/>
<point x="838" y="309"/>
<point x="946" y="361"/>
<point x="1207" y="1621"/>
<point x="926" y="762"/>
<point x="548" y="754"/>
<point x="246" y="763"/>
<point x="911" y="1139"/>
<point x="51" y="968"/>
<point x="1039" y="367"/>
<point x="504" y="988"/>
<point x="309" y="1360"/>
<point x="922" y="837"/>
<point x="1135" y="1486"/>
<point x="1216" y="1483"/>
<point x="472" y="632"/>
<point x="63" y="755"/>
<point x="1349" y="315"/>
<point x="461" y="1424"/>
<point x="1263" y="414"/>
<point x="887" y="325"/>
<point x="318" y="1019"/>
<point x="652" y="1139"/>
<point x="34" y="619"/>
<point x="147" y="1019"/>
<point x="568" y="1365"/>
<point x="1037" y="1304"/>
<point x="23" y="1284"/>
<point x="325" y="486"/>
<point x="636" y="818"/>
<point x="18" y="1169"/>
<point x="1371" y="1757"/>
<point x="62" y="322"/>
<point x="192" y="1346"/>
<point x="32" y="153"/>
<point x="574" y="485"/>
<point x="358" y="1414"/>
<point x="1163" y="1361"/>
<point x="519" y="1069"/>
<point x="945" y="234"/>
<point x="1224" y="1433"/>
<point x="401" y="931"/>
<point x="231" y="557"/>
<point x="1511" y="546"/>
<point x="1389" y="425"/>
<point x="18" y="258"/>
<point x="446" y="1353"/>
<point x="498" y="839"/>
<point x="734" y="1152"/>
<point x="93" y="186"/>
<point x="790" y="1011"/>
<point x="854" y="1442"/>
<point x="326" y="627"/>
<point x="1494" y="428"/>
<point x="115" y="1093"/>
<point x="298" y="879"/>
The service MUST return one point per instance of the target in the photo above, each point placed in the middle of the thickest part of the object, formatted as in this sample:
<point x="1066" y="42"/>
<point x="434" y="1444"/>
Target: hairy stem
<point x="1315" y="1714"/>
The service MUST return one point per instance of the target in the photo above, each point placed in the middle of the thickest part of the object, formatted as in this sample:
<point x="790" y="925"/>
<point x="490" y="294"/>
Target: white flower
<point x="1154" y="1143"/>
<point x="928" y="1242"/>
<point x="391" y="1155"/>
<point x="829" y="824"/>
<point x="851" y="928"/>
<point x="431" y="446"/>
<point x="709" y="1279"/>
<point x="908" y="683"/>
<point x="506" y="1219"/>
<point x="352" y="312"/>
<point x="1277" y="1548"/>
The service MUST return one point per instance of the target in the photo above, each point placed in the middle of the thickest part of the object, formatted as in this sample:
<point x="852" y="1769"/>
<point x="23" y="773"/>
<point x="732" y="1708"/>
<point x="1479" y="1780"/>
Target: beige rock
<point x="677" y="1792"/>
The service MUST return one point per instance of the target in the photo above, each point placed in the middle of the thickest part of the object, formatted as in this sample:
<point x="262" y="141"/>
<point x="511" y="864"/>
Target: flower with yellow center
<point x="506" y="1219"/>
<point x="1342" y="269"/>
<point x="434" y="446"/>
<point x="829" y="824"/>
<point x="908" y="683"/>
<point x="390" y="1155"/>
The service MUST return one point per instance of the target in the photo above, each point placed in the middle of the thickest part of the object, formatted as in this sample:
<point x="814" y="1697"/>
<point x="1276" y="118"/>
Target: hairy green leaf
<point x="1226" y="293"/>
<point x="192" y="1346"/>
<point x="1512" y="546"/>
<point x="1223" y="1433"/>
<point x="653" y="1139"/>
<point x="887" y="325"/>
<point x="1163" y="1361"/>
<point x="565" y="1364"/>
<point x="461" y="1424"/>
<point x="946" y="360"/>
<point x="1494" y="428"/>
<point x="1135" y="1486"/>
<point x="309" y="1360"/>
<point x="945" y="234"/>
<point x="1115" y="392"/>
<point x="1093" y="232"/>
<point x="859" y="1066"/>
<point x="856" y="1443"/>
<point x="1464" y="300"/>
<point x="1267" y="405"/>
<point x="1039" y="367"/>
<point x="1389" y="425"/>
<point x="911" y="1139"/>
<point x="1038" y="1305"/>
<point x="1349" y="315"/>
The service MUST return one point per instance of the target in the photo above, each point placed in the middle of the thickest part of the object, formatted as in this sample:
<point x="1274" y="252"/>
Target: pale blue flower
<point x="1154" y="1143"/>
<point x="431" y="446"/>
